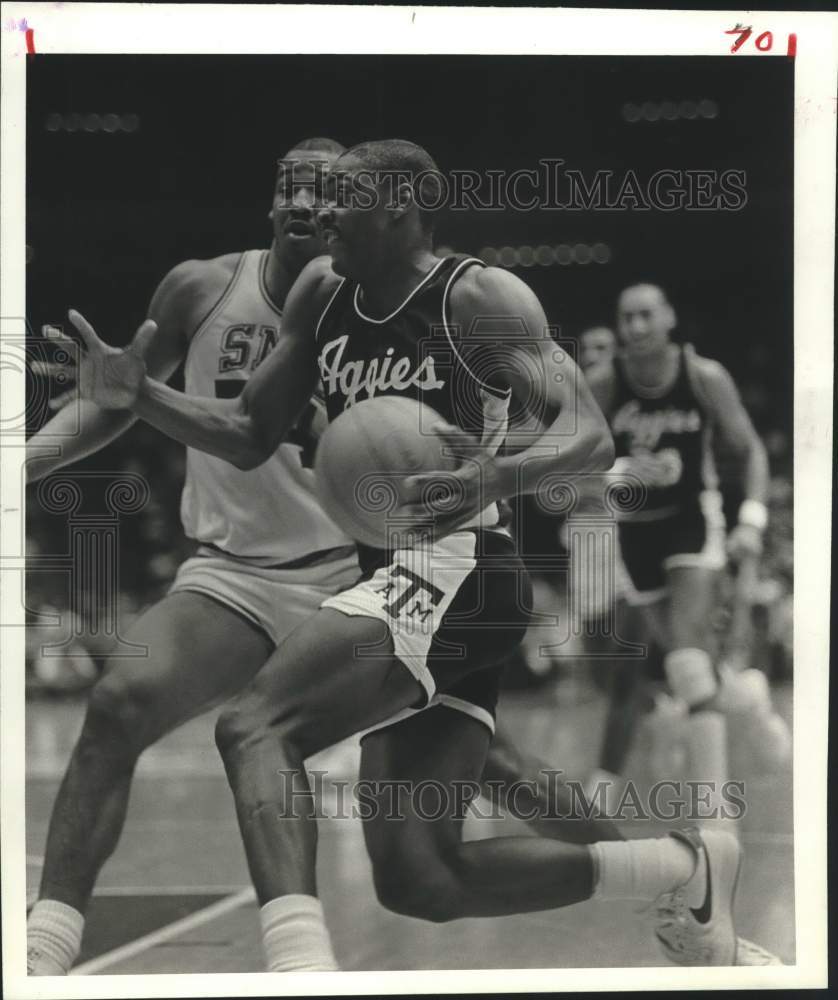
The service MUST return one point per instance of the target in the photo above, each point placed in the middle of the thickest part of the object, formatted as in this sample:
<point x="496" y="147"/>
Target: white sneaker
<point x="748" y="953"/>
<point x="702" y="935"/>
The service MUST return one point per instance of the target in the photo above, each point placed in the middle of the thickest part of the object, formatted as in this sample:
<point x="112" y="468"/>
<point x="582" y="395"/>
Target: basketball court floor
<point x="175" y="896"/>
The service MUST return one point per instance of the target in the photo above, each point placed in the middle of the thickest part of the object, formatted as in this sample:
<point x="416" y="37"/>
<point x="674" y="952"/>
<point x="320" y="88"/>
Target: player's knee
<point x="246" y="723"/>
<point x="232" y="728"/>
<point x="117" y="713"/>
<point x="689" y="630"/>
<point x="690" y="673"/>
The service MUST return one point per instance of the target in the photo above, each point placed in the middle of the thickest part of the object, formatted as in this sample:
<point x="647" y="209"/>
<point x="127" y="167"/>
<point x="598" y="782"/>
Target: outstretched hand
<point x="108" y="376"/>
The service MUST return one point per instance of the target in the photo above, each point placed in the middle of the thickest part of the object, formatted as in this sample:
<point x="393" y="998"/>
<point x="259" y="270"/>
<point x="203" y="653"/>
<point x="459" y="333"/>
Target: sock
<point x="690" y="673"/>
<point x="53" y="938"/>
<point x="641" y="869"/>
<point x="706" y="739"/>
<point x="294" y="935"/>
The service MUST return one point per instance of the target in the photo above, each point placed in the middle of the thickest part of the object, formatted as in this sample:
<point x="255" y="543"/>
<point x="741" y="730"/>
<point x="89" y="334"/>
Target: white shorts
<point x="455" y="610"/>
<point x="275" y="600"/>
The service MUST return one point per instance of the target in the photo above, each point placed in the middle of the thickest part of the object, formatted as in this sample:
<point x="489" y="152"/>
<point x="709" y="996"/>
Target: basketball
<point x="363" y="459"/>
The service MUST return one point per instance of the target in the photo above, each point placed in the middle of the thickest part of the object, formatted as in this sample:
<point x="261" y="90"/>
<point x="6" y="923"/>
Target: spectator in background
<point x="597" y="345"/>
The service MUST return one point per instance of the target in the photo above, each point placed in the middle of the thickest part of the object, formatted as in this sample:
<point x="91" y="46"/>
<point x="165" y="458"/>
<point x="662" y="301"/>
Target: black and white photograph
<point x="416" y="493"/>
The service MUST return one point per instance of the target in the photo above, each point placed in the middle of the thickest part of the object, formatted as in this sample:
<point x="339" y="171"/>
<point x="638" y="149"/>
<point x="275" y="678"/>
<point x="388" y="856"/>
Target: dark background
<point x="109" y="213"/>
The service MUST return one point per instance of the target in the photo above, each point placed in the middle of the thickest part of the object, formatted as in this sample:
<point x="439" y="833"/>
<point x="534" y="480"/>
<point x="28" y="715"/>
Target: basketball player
<point x="360" y="659"/>
<point x="664" y="403"/>
<point x="628" y="694"/>
<point x="267" y="556"/>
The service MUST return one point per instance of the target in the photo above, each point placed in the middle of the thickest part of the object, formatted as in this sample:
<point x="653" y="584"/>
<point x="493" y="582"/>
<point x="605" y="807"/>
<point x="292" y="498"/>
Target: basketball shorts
<point x="275" y="600"/>
<point x="455" y="608"/>
<point x="695" y="536"/>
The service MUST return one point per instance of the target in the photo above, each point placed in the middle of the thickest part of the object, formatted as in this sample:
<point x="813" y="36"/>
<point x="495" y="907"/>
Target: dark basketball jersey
<point x="415" y="352"/>
<point x="672" y="426"/>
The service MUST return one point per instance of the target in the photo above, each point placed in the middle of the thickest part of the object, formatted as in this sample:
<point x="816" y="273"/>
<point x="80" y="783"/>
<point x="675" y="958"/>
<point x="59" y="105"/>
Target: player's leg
<point x="333" y="676"/>
<point x="337" y="674"/>
<point x="427" y="765"/>
<point x="628" y="700"/>
<point x="199" y="652"/>
<point x="431" y="763"/>
<point x="744" y="691"/>
<point x="533" y="789"/>
<point x="690" y="671"/>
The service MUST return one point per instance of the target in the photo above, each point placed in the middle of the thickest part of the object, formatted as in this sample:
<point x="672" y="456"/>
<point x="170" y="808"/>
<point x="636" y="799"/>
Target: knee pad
<point x="691" y="675"/>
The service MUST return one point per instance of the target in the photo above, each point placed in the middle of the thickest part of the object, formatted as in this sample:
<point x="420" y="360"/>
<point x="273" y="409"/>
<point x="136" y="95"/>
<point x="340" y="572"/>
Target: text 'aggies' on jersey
<point x="413" y="351"/>
<point x="670" y="429"/>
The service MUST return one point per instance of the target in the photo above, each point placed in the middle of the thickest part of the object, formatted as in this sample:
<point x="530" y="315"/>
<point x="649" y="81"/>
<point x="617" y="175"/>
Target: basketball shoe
<point x="694" y="923"/>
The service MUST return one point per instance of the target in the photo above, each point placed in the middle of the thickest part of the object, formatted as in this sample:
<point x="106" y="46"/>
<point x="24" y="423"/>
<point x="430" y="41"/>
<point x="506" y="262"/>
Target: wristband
<point x="753" y="513"/>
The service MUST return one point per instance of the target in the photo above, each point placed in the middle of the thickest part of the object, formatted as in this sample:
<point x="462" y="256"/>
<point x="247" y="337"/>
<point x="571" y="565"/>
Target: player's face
<point x="355" y="224"/>
<point x="298" y="196"/>
<point x="644" y="319"/>
<point x="597" y="347"/>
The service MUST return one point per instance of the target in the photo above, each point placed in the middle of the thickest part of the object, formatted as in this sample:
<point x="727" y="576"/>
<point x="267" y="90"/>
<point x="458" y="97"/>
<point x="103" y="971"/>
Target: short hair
<point x="647" y="284"/>
<point x="318" y="144"/>
<point x="401" y="156"/>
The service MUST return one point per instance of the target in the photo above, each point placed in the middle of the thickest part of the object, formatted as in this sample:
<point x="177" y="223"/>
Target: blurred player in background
<point x="664" y="403"/>
<point x="630" y="697"/>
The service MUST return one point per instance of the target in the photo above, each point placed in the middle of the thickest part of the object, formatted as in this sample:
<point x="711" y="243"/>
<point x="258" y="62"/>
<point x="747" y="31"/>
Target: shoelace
<point x="667" y="904"/>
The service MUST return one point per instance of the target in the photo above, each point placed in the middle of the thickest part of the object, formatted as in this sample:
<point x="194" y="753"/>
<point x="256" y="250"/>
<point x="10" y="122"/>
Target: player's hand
<point x="653" y="469"/>
<point x="744" y="542"/>
<point x="108" y="376"/>
<point x="441" y="502"/>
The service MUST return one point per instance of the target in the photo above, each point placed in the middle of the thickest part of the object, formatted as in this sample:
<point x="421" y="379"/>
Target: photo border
<point x="192" y="29"/>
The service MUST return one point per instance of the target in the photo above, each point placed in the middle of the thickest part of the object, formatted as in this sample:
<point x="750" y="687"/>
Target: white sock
<point x="294" y="935"/>
<point x="640" y="869"/>
<point x="53" y="938"/>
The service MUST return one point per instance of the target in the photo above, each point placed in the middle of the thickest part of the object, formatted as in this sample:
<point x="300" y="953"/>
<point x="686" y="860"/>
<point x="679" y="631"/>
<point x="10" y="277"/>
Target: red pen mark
<point x="30" y="41"/>
<point x="792" y="49"/>
<point x="764" y="41"/>
<point x="744" y="34"/>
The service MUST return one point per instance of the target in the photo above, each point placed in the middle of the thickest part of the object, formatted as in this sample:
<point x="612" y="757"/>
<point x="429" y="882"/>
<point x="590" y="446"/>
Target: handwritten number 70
<point x="763" y="42"/>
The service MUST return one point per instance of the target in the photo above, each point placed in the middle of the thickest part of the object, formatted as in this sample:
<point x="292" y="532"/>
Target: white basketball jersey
<point x="269" y="514"/>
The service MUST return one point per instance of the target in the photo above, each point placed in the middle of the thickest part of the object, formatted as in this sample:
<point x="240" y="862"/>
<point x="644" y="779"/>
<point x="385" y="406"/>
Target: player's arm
<point x="593" y="488"/>
<point x="575" y="436"/>
<point x="244" y="431"/>
<point x="79" y="430"/>
<point x="733" y="426"/>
